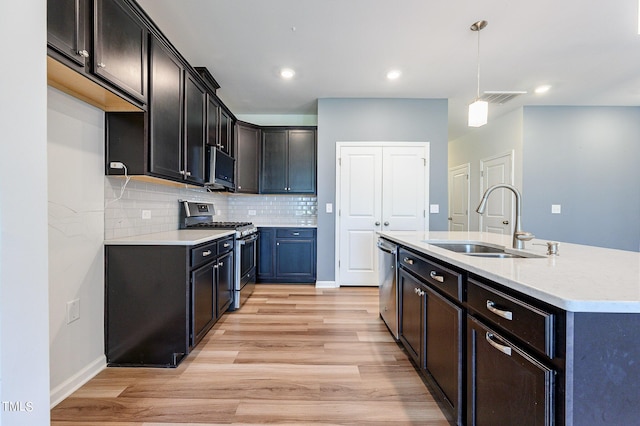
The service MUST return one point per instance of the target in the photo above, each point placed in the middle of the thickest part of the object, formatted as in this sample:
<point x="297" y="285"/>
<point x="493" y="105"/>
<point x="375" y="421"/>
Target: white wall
<point x="497" y="137"/>
<point x="24" y="330"/>
<point x="75" y="154"/>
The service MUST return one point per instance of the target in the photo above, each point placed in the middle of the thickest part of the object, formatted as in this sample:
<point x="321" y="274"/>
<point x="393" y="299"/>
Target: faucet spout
<point x="519" y="236"/>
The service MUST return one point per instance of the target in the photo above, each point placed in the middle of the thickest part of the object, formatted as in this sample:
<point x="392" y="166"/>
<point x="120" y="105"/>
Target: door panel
<point x="459" y="198"/>
<point x="361" y="208"/>
<point x="498" y="216"/>
<point x="403" y="190"/>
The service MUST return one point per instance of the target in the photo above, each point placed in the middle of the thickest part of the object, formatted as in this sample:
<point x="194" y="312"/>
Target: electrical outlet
<point x="434" y="208"/>
<point x="252" y="212"/>
<point x="146" y="214"/>
<point x="73" y="310"/>
<point x="556" y="208"/>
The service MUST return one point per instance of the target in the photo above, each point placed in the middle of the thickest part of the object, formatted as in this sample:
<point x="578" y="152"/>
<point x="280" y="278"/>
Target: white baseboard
<point x="326" y="284"/>
<point x="74" y="382"/>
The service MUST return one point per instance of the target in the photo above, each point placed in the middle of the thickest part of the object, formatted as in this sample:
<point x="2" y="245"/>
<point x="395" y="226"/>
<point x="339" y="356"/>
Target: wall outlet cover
<point x="73" y="310"/>
<point x="556" y="208"/>
<point x="146" y="214"/>
<point x="434" y="208"/>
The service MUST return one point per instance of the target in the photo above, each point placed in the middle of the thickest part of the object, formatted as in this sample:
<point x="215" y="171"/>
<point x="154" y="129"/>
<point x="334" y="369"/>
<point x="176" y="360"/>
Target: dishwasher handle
<point x="387" y="248"/>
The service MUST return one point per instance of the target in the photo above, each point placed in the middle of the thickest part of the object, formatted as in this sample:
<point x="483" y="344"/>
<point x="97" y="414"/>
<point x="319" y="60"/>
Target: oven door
<point x="248" y="257"/>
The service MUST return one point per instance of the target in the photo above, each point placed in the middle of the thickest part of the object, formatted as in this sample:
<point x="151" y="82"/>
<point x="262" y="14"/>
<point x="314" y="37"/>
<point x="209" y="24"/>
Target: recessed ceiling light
<point x="287" y="73"/>
<point x="542" y="89"/>
<point x="394" y="74"/>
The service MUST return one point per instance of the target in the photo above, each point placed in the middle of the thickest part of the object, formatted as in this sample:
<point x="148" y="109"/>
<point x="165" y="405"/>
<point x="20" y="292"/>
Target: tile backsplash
<point x="124" y="208"/>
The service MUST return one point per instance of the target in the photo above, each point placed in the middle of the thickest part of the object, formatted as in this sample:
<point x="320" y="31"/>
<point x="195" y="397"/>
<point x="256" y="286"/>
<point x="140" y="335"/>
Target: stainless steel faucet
<point x="519" y="236"/>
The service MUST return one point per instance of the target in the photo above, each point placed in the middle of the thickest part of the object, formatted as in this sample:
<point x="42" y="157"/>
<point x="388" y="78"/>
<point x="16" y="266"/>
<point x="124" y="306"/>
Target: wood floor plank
<point x="293" y="354"/>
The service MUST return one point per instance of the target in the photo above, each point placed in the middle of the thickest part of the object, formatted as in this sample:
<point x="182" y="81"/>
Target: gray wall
<point x="342" y="120"/>
<point x="586" y="159"/>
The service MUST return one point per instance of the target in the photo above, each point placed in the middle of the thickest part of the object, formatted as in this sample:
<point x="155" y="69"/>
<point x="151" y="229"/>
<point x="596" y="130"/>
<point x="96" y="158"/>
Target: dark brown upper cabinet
<point x="66" y="29"/>
<point x="120" y="47"/>
<point x="288" y="163"/>
<point x="247" y="154"/>
<point x="194" y="133"/>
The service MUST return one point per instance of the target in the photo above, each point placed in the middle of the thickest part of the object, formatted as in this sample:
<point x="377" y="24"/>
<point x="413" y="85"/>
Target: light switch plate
<point x="556" y="208"/>
<point x="73" y="310"/>
<point x="329" y="208"/>
<point x="146" y="214"/>
<point x="434" y="208"/>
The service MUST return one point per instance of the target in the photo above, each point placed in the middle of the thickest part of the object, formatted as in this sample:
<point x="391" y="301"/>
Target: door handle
<point x="386" y="224"/>
<point x="505" y="222"/>
<point x="377" y="223"/>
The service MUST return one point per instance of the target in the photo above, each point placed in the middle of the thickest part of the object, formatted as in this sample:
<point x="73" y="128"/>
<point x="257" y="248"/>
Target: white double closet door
<point x="380" y="187"/>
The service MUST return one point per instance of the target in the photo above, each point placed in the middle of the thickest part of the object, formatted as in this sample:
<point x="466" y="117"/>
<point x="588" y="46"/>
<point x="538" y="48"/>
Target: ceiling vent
<point x="500" y="96"/>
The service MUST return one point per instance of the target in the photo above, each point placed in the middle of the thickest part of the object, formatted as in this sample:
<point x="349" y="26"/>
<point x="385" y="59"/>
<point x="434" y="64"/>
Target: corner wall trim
<point x="326" y="284"/>
<point x="74" y="382"/>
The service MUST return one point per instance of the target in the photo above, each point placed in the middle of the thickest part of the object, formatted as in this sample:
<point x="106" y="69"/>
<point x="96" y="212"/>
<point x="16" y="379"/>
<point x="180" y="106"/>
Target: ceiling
<point x="587" y="50"/>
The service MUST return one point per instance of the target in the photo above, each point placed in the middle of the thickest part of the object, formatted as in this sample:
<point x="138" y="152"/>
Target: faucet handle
<point x="524" y="236"/>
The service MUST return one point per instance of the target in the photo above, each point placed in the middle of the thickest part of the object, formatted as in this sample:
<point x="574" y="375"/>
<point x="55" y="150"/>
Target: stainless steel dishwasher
<point x="388" y="284"/>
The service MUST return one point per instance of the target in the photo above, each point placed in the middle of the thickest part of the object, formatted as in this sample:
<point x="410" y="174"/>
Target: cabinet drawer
<point x="438" y="276"/>
<point x="528" y="323"/>
<point x="225" y="245"/>
<point x="294" y="233"/>
<point x="202" y="254"/>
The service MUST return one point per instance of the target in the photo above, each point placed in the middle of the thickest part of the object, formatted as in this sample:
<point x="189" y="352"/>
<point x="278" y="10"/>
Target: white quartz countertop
<point x="283" y="225"/>
<point x="580" y="279"/>
<point x="180" y="237"/>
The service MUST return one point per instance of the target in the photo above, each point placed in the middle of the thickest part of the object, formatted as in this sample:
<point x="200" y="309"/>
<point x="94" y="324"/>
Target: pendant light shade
<point x="478" y="110"/>
<point x="478" y="113"/>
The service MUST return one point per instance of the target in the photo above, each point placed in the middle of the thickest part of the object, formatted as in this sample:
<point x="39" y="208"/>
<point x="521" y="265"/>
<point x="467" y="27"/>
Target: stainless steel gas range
<point x="198" y="214"/>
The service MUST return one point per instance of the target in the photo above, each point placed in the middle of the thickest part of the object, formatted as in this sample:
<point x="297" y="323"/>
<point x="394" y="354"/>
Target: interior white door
<point x="380" y="188"/>
<point x="459" y="198"/>
<point x="403" y="192"/>
<point x="498" y="216"/>
<point x="360" y="214"/>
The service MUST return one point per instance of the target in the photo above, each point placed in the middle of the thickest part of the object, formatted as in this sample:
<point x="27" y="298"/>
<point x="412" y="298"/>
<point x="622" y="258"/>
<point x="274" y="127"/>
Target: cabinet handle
<point x="295" y="233"/>
<point x="220" y="263"/>
<point x="408" y="261"/>
<point x="206" y="253"/>
<point x="187" y="174"/>
<point x="491" y="306"/>
<point x="215" y="266"/>
<point x="102" y="65"/>
<point x="83" y="53"/>
<point x="226" y="245"/>
<point x="502" y="348"/>
<point x="434" y="275"/>
<point x="420" y="293"/>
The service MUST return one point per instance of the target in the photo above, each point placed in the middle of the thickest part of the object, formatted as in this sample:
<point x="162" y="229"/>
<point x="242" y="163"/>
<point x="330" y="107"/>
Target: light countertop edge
<point x="581" y="279"/>
<point x="180" y="237"/>
<point x="284" y="225"/>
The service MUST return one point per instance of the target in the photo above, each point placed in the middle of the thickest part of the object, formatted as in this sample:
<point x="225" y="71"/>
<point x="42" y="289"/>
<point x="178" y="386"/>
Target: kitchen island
<point x="545" y="339"/>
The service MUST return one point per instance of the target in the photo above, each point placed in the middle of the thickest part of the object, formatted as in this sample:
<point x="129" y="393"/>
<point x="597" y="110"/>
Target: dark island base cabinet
<point x="160" y="301"/>
<point x="287" y="255"/>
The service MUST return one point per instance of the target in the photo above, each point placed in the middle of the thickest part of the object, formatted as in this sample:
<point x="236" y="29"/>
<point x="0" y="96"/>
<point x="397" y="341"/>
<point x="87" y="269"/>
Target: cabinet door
<point x="224" y="283"/>
<point x="302" y="161"/>
<point x="443" y="354"/>
<point x="412" y="318"/>
<point x="266" y="254"/>
<point x="226" y="132"/>
<point x="247" y="159"/>
<point x="213" y="121"/>
<point x="120" y="54"/>
<point x="194" y="131"/>
<point x="274" y="162"/>
<point x="66" y="20"/>
<point x="165" y="113"/>
<point x="505" y="385"/>
<point x="295" y="260"/>
<point x="203" y="307"/>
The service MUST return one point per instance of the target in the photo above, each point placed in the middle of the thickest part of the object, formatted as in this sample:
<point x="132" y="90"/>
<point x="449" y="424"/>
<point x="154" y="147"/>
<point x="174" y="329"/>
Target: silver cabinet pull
<point x="206" y="253"/>
<point x="83" y="53"/>
<point x="491" y="306"/>
<point x="226" y="245"/>
<point x="187" y="173"/>
<point x="295" y="233"/>
<point x="220" y="263"/>
<point x="408" y="261"/>
<point x="502" y="348"/>
<point x="434" y="275"/>
<point x="102" y="65"/>
<point x="419" y="292"/>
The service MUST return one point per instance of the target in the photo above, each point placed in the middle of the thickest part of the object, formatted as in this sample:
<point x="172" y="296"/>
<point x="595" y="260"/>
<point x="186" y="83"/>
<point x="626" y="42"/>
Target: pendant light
<point x="478" y="110"/>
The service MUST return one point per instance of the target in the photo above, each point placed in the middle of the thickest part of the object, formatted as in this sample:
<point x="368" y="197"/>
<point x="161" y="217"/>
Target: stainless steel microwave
<point x="220" y="169"/>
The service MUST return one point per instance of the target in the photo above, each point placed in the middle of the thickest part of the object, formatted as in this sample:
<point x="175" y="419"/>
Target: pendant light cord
<point x="478" y="92"/>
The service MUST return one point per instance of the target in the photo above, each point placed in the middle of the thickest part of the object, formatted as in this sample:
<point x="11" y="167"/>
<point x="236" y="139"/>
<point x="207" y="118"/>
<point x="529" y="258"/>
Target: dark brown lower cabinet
<point x="412" y="311"/>
<point x="505" y="384"/>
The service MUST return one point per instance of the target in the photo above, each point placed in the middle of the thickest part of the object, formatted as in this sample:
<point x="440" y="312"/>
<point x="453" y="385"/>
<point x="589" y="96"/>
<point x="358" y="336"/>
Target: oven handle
<point x="248" y="240"/>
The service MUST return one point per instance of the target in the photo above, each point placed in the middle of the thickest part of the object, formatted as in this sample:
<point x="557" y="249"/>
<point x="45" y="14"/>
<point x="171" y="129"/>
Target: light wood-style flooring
<point x="293" y="354"/>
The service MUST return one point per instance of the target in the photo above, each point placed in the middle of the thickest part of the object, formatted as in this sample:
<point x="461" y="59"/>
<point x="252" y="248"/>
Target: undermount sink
<point x="482" y="250"/>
